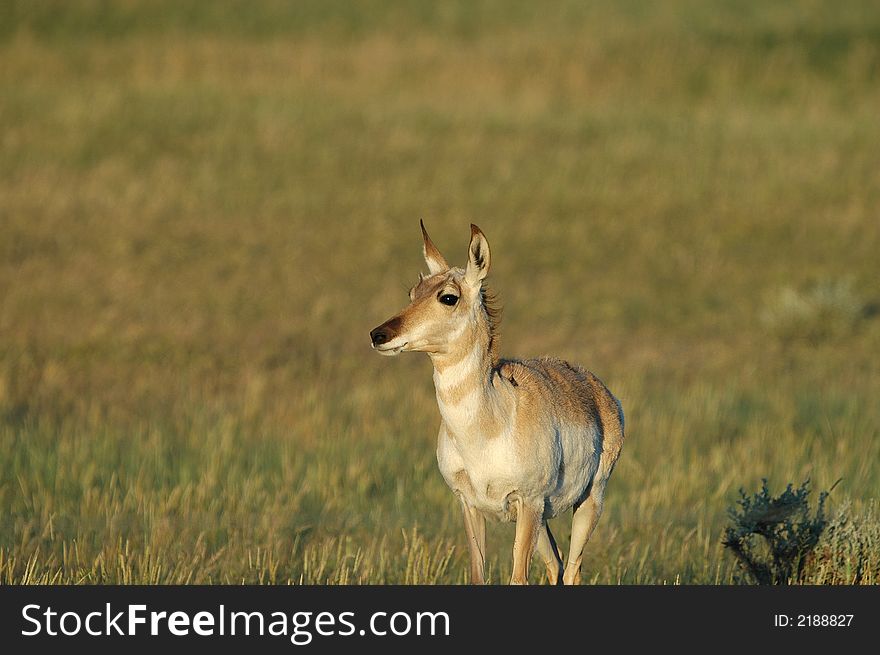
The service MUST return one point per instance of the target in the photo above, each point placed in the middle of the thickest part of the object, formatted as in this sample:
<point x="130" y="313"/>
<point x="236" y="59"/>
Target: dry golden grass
<point x="205" y="211"/>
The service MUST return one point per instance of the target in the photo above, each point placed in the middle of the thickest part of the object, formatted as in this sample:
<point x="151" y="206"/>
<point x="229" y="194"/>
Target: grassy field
<point x="205" y="207"/>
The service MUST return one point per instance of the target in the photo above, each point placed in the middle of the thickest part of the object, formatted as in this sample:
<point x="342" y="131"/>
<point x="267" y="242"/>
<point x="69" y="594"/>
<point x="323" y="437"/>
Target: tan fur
<point x="519" y="440"/>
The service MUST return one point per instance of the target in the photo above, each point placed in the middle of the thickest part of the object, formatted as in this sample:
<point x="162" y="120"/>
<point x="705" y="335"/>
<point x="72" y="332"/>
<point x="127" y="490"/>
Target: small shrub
<point x="787" y="530"/>
<point x="829" y="309"/>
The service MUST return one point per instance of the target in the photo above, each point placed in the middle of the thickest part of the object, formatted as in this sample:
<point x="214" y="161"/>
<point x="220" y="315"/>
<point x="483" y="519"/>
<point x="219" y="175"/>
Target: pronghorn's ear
<point x="478" y="257"/>
<point x="436" y="262"/>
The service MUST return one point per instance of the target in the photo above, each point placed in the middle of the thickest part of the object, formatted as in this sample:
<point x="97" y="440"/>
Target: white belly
<point x="554" y="469"/>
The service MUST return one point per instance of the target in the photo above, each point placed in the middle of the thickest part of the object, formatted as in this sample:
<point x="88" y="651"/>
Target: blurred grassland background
<point x="205" y="207"/>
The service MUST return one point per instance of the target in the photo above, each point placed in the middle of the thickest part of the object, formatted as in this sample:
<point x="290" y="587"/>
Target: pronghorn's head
<point x="445" y="306"/>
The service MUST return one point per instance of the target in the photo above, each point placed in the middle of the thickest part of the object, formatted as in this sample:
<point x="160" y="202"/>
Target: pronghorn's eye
<point x="448" y="299"/>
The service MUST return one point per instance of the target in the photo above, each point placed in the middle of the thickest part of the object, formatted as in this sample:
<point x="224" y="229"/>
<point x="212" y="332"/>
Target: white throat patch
<point x="458" y="373"/>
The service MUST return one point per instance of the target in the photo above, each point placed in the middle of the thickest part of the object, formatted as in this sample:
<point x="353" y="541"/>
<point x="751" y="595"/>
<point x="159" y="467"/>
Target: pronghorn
<point x="519" y="440"/>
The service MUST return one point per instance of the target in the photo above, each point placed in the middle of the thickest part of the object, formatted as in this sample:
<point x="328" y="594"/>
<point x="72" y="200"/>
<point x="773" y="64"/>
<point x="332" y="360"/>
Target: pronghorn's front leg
<point x="528" y="522"/>
<point x="550" y="554"/>
<point x="475" y="527"/>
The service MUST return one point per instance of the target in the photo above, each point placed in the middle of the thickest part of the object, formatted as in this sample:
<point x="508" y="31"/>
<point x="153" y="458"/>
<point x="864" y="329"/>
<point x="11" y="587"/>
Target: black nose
<point x="378" y="336"/>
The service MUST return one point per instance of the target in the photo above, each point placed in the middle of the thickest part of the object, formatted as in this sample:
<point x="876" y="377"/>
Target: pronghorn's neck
<point x="463" y="378"/>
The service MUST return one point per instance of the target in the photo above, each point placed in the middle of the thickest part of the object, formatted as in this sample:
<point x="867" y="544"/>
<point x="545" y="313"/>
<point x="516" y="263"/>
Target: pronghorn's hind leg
<point x="549" y="554"/>
<point x="586" y="515"/>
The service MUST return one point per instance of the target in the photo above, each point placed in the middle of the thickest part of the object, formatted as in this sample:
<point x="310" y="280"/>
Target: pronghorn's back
<point x="573" y="392"/>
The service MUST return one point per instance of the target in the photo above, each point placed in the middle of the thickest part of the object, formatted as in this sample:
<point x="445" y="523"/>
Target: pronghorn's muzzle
<point x="385" y="334"/>
<point x="378" y="336"/>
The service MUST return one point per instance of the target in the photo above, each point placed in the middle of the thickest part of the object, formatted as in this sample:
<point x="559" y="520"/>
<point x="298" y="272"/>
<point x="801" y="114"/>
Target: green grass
<point x="204" y="211"/>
